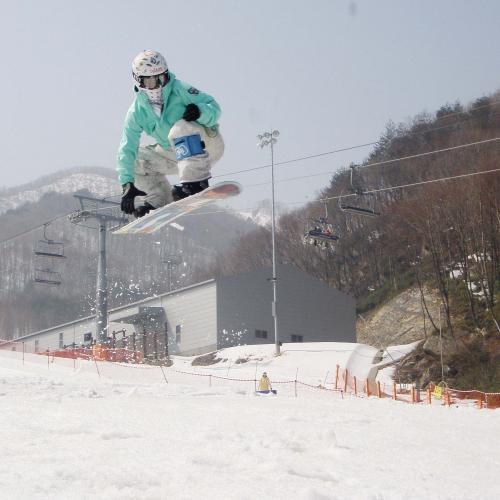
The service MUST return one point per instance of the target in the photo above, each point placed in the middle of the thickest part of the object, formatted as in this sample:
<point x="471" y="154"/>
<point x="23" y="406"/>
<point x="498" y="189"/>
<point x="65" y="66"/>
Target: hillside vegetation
<point x="441" y="236"/>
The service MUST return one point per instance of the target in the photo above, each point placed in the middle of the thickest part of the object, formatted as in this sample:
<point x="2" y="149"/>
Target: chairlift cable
<point x="419" y="155"/>
<point x="389" y="188"/>
<point x="427" y="153"/>
<point x="358" y="146"/>
<point x="348" y="148"/>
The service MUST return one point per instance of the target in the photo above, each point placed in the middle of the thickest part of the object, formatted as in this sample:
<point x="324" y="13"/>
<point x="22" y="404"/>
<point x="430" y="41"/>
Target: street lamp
<point x="265" y="139"/>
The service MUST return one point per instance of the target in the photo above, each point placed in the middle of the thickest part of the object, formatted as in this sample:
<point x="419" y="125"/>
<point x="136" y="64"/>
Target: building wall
<point x="307" y="309"/>
<point x="57" y="337"/>
<point x="227" y="312"/>
<point x="192" y="310"/>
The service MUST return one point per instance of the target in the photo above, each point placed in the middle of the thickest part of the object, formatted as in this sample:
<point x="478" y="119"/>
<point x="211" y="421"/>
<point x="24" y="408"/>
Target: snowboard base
<point x="163" y="216"/>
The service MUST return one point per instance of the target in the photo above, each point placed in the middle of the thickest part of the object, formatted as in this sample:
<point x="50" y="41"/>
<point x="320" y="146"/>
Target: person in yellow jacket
<point x="265" y="383"/>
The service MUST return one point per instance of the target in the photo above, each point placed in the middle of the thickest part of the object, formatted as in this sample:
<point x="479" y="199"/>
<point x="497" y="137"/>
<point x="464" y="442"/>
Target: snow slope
<point x="66" y="433"/>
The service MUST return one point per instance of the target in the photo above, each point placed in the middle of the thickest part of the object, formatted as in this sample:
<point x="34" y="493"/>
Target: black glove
<point x="129" y="193"/>
<point x="192" y="113"/>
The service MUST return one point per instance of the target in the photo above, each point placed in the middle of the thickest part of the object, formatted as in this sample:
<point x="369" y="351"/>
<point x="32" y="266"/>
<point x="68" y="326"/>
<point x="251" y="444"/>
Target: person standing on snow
<point x="183" y="121"/>
<point x="265" y="383"/>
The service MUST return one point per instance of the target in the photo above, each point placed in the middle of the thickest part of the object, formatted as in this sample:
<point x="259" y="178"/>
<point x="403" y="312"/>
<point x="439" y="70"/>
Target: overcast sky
<point x="327" y="73"/>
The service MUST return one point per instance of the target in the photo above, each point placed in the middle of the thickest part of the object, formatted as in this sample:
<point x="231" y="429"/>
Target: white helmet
<point x="150" y="63"/>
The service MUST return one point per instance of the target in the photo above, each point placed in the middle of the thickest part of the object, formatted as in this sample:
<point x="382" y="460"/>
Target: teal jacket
<point x="142" y="118"/>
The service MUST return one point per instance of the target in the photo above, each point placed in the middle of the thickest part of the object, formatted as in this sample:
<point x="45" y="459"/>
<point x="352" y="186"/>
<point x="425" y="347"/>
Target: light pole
<point x="270" y="138"/>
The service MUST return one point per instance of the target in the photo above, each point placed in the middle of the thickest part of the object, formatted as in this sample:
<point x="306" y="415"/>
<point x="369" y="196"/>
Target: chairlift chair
<point x="47" y="247"/>
<point x="320" y="232"/>
<point x="47" y="252"/>
<point x="360" y="202"/>
<point x="47" y="276"/>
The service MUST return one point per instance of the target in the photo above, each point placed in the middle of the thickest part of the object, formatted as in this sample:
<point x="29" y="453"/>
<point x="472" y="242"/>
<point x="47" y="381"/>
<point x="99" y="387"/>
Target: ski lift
<point x="359" y="202"/>
<point x="49" y="248"/>
<point x="47" y="252"/>
<point x="47" y="276"/>
<point x="320" y="232"/>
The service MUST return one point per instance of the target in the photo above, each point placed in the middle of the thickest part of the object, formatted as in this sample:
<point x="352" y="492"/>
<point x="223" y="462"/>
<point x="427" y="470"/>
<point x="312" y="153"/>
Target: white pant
<point x="154" y="163"/>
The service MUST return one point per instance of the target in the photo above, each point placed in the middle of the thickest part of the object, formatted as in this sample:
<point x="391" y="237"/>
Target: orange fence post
<point x="394" y="392"/>
<point x="355" y="386"/>
<point x="367" y="388"/>
<point x="379" y="392"/>
<point x="429" y="395"/>
<point x="345" y="380"/>
<point x="412" y="394"/>
<point x="447" y="398"/>
<point x="337" y="377"/>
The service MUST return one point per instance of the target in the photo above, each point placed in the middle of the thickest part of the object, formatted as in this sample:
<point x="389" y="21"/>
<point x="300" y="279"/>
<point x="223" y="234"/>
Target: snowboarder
<point x="183" y="121"/>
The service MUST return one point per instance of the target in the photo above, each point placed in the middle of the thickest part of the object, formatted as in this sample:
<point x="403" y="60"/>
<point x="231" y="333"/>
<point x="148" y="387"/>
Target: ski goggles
<point x="154" y="81"/>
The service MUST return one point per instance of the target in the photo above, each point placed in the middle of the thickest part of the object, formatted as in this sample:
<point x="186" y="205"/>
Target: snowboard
<point x="156" y="219"/>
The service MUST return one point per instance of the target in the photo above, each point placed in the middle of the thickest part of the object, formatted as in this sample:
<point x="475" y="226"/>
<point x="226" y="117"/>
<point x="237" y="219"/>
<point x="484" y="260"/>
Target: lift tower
<point x="104" y="212"/>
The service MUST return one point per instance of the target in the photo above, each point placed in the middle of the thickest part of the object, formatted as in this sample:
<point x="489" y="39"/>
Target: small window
<point x="261" y="334"/>
<point x="61" y="340"/>
<point x="297" y="338"/>
<point x="87" y="337"/>
<point x="37" y="345"/>
<point x="178" y="329"/>
<point x="14" y="348"/>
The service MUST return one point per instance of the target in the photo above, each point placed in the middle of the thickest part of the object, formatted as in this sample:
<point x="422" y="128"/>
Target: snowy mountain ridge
<point x="100" y="182"/>
<point x="261" y="217"/>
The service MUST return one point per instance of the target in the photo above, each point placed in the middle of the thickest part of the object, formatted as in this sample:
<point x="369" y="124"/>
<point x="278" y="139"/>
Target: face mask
<point x="155" y="96"/>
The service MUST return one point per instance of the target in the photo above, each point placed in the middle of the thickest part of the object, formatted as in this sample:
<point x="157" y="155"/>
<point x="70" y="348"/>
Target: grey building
<point x="229" y="311"/>
<point x="308" y="309"/>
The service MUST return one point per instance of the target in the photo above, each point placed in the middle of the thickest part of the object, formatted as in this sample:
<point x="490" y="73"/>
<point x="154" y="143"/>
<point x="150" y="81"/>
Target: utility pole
<point x="270" y="138"/>
<point x="104" y="212"/>
<point x="171" y="260"/>
<point x="101" y="303"/>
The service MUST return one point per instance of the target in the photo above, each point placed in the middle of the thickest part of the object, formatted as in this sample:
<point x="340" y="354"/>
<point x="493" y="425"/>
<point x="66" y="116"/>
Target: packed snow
<point x="140" y="432"/>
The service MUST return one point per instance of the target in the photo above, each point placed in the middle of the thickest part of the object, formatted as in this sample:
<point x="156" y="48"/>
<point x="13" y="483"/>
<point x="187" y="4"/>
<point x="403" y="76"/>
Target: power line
<point x="50" y="221"/>
<point x="358" y="146"/>
<point x="420" y="183"/>
<point x="349" y="148"/>
<point x="393" y="160"/>
<point x="419" y="155"/>
<point x="373" y="143"/>
<point x="321" y="200"/>
<point x="389" y="188"/>
<point x="18" y="235"/>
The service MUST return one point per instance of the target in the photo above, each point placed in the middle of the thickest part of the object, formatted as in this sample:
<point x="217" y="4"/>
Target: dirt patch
<point x="240" y="361"/>
<point x="206" y="359"/>
<point x="399" y="321"/>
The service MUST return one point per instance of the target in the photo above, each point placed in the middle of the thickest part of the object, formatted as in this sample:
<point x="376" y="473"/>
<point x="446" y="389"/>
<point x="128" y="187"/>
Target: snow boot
<point x="180" y="191"/>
